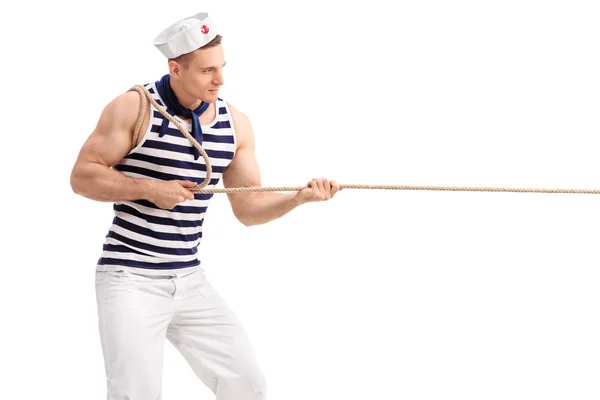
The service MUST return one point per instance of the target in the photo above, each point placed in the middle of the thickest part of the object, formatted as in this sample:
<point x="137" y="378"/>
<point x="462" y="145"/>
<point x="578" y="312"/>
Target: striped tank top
<point x="143" y="235"/>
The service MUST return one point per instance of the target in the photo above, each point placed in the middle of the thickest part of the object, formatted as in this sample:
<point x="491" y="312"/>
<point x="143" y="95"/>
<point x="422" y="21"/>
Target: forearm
<point x="100" y="183"/>
<point x="262" y="207"/>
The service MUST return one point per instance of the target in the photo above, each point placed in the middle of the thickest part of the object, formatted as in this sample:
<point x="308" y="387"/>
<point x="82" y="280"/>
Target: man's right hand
<point x="93" y="175"/>
<point x="168" y="194"/>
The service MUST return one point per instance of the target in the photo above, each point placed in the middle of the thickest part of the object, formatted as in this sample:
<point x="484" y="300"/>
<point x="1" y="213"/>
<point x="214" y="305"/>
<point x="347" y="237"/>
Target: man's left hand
<point x="319" y="189"/>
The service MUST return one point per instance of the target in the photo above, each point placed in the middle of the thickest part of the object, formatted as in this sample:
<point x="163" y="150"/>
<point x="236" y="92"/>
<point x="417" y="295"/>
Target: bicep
<point x="111" y="139"/>
<point x="243" y="171"/>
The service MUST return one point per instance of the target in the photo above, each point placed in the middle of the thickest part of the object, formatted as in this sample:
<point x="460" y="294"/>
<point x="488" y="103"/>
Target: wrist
<point x="298" y="199"/>
<point x="144" y="189"/>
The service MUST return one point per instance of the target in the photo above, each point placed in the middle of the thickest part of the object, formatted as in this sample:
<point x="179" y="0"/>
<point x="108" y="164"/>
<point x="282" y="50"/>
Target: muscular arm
<point x="92" y="175"/>
<point x="259" y="207"/>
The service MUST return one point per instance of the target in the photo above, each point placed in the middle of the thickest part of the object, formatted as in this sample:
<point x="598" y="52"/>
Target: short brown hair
<point x="185" y="59"/>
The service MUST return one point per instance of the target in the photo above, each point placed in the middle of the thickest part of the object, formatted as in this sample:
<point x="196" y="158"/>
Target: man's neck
<point x="184" y="99"/>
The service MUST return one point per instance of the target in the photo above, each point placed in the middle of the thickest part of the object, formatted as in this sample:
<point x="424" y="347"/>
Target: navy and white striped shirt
<point x="143" y="235"/>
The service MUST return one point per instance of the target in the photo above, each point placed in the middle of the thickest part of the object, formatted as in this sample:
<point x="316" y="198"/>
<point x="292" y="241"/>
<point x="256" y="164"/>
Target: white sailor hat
<point x="185" y="36"/>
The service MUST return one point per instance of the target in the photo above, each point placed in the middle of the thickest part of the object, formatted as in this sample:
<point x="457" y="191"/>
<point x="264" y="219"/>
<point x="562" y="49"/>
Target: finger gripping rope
<point x="201" y="188"/>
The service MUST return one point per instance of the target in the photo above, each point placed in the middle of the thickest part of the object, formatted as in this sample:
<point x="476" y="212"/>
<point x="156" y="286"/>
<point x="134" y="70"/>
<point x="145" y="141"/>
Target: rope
<point x="396" y="187"/>
<point x="201" y="188"/>
<point x="145" y="95"/>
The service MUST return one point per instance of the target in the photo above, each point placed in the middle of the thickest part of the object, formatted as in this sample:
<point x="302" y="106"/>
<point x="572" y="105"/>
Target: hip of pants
<point x="137" y="312"/>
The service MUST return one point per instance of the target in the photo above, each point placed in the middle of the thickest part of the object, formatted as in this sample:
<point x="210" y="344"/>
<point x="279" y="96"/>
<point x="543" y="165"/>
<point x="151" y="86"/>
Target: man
<point x="149" y="282"/>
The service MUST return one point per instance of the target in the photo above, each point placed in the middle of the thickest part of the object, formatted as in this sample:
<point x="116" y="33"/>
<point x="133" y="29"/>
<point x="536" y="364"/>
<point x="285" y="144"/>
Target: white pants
<point x="137" y="311"/>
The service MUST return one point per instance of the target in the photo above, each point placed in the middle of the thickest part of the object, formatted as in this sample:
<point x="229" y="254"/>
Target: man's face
<point x="202" y="76"/>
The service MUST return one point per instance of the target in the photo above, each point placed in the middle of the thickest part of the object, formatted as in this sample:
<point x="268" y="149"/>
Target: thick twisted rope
<point x="201" y="188"/>
<point x="145" y="95"/>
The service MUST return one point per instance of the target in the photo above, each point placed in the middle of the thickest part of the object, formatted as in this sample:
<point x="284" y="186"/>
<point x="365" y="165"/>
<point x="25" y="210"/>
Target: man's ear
<point x="174" y="68"/>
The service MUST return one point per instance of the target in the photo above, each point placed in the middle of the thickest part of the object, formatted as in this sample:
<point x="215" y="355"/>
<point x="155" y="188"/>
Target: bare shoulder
<point x="112" y="138"/>
<point x="243" y="127"/>
<point x="123" y="110"/>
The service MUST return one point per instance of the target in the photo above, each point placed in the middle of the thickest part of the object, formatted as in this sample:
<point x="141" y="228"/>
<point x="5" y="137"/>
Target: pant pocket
<point x="116" y="291"/>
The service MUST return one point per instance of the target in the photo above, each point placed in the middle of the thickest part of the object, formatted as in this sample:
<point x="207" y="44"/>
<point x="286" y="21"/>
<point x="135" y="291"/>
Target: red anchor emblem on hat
<point x="204" y="29"/>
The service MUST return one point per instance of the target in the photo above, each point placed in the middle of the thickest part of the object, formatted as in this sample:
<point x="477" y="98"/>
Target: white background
<point x="374" y="294"/>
